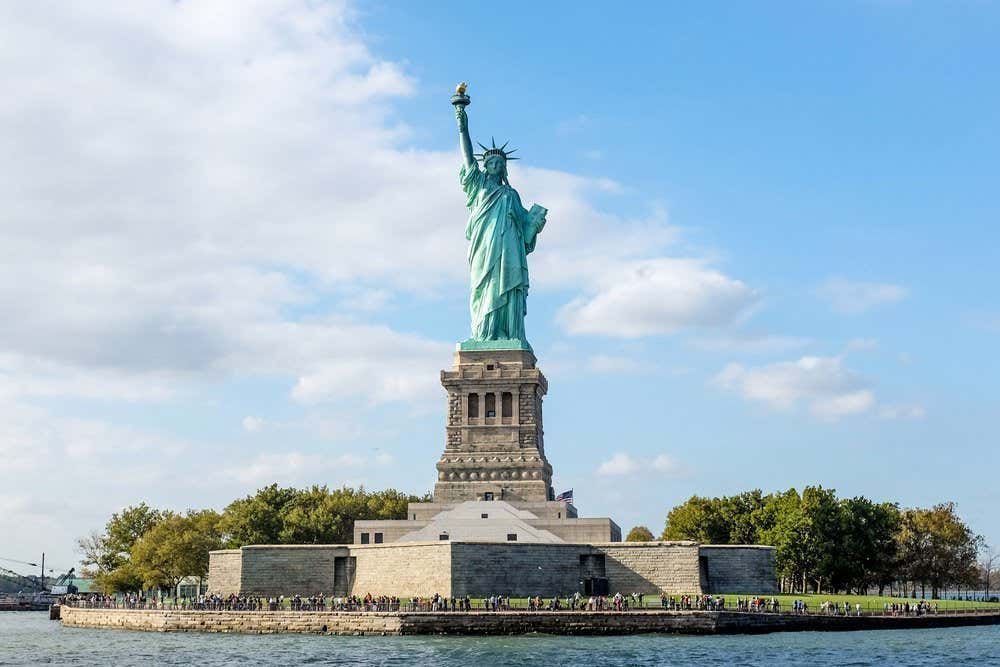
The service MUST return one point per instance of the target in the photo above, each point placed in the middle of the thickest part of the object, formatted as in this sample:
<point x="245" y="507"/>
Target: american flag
<point x="565" y="495"/>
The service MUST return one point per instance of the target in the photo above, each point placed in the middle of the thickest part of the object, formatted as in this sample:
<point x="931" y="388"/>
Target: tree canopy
<point x="107" y="556"/>
<point x="640" y="534"/>
<point x="317" y="515"/>
<point x="175" y="548"/>
<point x="824" y="542"/>
<point x="142" y="547"/>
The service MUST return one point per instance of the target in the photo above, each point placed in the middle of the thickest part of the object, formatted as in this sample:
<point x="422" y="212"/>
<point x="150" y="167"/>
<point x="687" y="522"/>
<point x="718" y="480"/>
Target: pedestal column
<point x="502" y="457"/>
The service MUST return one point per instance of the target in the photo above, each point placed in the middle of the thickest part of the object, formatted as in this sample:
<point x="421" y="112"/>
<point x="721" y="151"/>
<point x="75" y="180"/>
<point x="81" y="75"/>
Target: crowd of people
<point x="921" y="608"/>
<point x="758" y="605"/>
<point x="619" y="602"/>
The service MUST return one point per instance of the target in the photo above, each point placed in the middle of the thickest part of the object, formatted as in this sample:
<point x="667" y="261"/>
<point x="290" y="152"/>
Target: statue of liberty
<point x="501" y="233"/>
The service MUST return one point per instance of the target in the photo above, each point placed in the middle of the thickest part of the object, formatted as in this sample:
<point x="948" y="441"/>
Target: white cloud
<point x="608" y="363"/>
<point x="831" y="390"/>
<point x="294" y="468"/>
<point x="252" y="424"/>
<point x="842" y="405"/>
<point x="658" y="296"/>
<point x="750" y="344"/>
<point x="902" y="412"/>
<point x="227" y="166"/>
<point x="621" y="464"/>
<point x="368" y="299"/>
<point x="33" y="439"/>
<point x="195" y="185"/>
<point x="860" y="344"/>
<point x="665" y="464"/>
<point x="221" y="164"/>
<point x="97" y="466"/>
<point x="338" y="359"/>
<point x="853" y="298"/>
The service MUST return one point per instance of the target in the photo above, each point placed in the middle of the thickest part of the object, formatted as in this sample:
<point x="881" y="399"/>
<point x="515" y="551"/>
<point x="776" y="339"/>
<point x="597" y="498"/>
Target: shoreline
<point x="501" y="622"/>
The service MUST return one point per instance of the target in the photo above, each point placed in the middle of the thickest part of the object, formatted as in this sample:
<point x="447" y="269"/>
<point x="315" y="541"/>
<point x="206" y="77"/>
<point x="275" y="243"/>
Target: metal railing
<point x="624" y="604"/>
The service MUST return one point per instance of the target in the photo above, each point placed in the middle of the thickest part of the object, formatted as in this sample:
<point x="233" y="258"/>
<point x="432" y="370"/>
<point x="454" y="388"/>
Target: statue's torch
<point x="460" y="99"/>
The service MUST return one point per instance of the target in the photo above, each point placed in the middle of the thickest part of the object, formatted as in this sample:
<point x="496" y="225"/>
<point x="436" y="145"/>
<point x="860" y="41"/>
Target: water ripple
<point x="31" y="639"/>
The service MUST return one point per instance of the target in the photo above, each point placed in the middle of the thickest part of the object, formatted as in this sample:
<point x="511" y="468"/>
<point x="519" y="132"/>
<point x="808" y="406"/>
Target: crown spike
<point x="483" y="147"/>
<point x="493" y="141"/>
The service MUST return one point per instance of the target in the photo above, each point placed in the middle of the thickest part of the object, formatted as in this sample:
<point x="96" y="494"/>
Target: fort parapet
<point x="408" y="569"/>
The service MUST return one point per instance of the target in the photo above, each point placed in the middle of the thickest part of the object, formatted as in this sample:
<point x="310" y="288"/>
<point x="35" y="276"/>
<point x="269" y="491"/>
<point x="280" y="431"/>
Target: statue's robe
<point x="501" y="233"/>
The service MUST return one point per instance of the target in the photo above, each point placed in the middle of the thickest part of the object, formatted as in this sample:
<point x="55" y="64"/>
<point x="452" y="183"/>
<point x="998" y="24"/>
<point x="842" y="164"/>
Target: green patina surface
<point x="500" y="344"/>
<point x="501" y="233"/>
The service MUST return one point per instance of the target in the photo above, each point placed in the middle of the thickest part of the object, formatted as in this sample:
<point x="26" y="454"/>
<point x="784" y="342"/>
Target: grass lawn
<point x="873" y="602"/>
<point x="868" y="602"/>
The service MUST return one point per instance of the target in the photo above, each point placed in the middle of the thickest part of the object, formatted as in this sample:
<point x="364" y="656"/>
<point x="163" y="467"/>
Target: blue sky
<point x="236" y="253"/>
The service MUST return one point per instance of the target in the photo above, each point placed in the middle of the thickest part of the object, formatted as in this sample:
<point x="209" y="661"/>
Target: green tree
<point x="789" y="533"/>
<point x="317" y="515"/>
<point x="869" y="546"/>
<point x="699" y="519"/>
<point x="639" y="534"/>
<point x="107" y="555"/>
<point x="175" y="548"/>
<point x="745" y="516"/>
<point x="825" y="518"/>
<point x="257" y="519"/>
<point x="937" y="549"/>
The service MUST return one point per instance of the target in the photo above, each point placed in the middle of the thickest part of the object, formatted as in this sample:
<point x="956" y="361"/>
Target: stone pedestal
<point x="494" y="448"/>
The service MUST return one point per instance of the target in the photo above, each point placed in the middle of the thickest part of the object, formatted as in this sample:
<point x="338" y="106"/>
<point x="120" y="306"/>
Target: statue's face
<point x="495" y="166"/>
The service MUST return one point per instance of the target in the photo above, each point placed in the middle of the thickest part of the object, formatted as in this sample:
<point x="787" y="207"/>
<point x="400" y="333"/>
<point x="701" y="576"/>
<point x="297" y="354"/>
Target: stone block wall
<point x="503" y="454"/>
<point x="405" y="569"/>
<point x="250" y="622"/>
<point x="580" y="531"/>
<point x="225" y="571"/>
<point x="392" y="529"/>
<point x="500" y="623"/>
<point x="408" y="569"/>
<point x="740" y="569"/>
<point x="455" y="416"/>
<point x="288" y="569"/>
<point x="652" y="567"/>
<point x="518" y="570"/>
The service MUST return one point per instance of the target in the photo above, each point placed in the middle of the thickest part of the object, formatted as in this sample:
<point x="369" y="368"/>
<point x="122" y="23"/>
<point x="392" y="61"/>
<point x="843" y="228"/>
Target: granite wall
<point x="740" y="569"/>
<point x="518" y="570"/>
<point x="270" y="570"/>
<point x="225" y="571"/>
<point x="408" y="569"/>
<point x="404" y="569"/>
<point x="523" y="570"/>
<point x="652" y="567"/>
<point x="499" y="623"/>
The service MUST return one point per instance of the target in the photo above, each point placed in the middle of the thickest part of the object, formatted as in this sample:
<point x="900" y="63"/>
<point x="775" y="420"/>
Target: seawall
<point x="498" y="623"/>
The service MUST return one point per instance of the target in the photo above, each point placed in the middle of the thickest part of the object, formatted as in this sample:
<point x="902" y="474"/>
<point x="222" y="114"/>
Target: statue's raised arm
<point x="461" y="100"/>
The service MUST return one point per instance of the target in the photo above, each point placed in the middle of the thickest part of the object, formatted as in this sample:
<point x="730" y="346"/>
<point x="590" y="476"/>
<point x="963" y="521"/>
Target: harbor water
<point x="29" y="638"/>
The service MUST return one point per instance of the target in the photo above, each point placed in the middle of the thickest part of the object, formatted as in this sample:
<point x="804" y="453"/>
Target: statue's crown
<point x="490" y="152"/>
